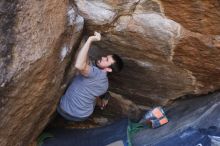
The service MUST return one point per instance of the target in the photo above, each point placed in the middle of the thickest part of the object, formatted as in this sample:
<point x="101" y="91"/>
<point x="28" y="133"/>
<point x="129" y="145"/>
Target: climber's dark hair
<point x="118" y="63"/>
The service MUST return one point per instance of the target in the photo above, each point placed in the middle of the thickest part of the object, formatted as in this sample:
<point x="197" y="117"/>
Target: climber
<point x="80" y="98"/>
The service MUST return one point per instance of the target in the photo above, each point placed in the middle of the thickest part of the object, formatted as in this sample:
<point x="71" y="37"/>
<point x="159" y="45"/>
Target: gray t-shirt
<point x="80" y="97"/>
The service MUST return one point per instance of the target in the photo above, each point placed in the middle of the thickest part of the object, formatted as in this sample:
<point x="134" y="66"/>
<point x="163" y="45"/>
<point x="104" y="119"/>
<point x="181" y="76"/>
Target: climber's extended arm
<point x="82" y="58"/>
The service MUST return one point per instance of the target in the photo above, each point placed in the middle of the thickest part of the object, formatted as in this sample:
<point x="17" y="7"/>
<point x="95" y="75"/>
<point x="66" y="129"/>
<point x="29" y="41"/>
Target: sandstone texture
<point x="170" y="49"/>
<point x="36" y="41"/>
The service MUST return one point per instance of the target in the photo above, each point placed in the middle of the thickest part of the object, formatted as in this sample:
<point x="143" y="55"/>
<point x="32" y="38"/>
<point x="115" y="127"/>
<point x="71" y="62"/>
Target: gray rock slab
<point x="199" y="112"/>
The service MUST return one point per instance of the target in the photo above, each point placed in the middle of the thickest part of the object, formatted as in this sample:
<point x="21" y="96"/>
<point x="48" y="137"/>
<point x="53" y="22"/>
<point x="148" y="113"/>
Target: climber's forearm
<point x="81" y="60"/>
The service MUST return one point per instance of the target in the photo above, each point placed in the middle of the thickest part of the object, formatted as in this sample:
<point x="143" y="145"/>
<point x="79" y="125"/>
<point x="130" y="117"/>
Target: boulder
<point x="199" y="113"/>
<point x="36" y="46"/>
<point x="170" y="49"/>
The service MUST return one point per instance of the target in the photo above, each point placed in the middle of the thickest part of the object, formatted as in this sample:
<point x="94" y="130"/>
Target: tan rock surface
<point x="170" y="49"/>
<point x="155" y="37"/>
<point x="33" y="65"/>
<point x="198" y="16"/>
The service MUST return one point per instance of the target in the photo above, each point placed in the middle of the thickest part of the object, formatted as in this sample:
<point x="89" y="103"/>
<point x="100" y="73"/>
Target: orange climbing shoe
<point x="154" y="118"/>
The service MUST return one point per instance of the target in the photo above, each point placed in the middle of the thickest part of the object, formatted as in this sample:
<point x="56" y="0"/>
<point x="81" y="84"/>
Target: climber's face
<point x="105" y="62"/>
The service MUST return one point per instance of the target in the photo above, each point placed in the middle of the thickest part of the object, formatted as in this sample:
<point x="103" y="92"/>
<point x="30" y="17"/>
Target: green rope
<point x="133" y="128"/>
<point x="42" y="137"/>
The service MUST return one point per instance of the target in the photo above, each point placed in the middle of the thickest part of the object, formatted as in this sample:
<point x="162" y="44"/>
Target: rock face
<point x="36" y="41"/>
<point x="182" y="115"/>
<point x="197" y="16"/>
<point x="170" y="48"/>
